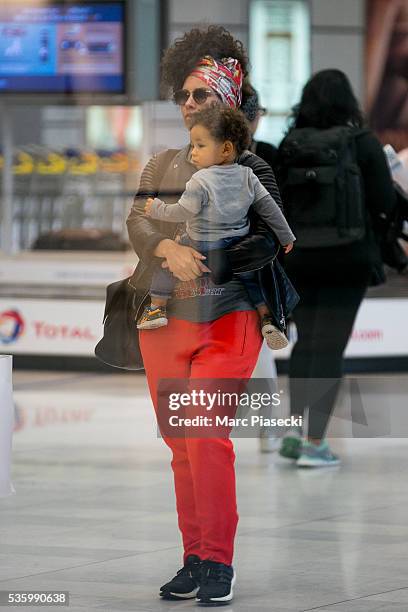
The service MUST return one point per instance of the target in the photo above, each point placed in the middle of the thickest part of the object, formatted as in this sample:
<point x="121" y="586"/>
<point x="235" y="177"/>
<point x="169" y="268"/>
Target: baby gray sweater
<point x="215" y="205"/>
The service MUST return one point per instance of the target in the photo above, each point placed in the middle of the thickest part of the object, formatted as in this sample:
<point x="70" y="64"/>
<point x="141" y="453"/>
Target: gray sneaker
<point x="152" y="318"/>
<point x="312" y="455"/>
<point x="275" y="339"/>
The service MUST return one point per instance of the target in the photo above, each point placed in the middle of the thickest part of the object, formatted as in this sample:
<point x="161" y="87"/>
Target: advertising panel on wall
<point x="375" y="334"/>
<point x="386" y="100"/>
<point x="387" y="70"/>
<point x="50" y="327"/>
<point x="63" y="327"/>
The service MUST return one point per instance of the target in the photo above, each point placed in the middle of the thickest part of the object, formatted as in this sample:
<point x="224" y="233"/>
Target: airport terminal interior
<point x="87" y="504"/>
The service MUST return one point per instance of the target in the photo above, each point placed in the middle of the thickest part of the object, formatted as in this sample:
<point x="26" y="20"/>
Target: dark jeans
<point x="163" y="281"/>
<point x="324" y="319"/>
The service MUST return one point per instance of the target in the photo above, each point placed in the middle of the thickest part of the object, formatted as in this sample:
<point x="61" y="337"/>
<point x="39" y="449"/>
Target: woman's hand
<point x="183" y="261"/>
<point x="148" y="206"/>
<point x="288" y="247"/>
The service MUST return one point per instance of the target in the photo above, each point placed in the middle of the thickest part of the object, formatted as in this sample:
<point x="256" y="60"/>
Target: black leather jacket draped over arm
<point x="254" y="251"/>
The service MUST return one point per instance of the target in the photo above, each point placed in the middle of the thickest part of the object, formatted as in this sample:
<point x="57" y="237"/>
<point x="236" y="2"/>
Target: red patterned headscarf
<point x="224" y="77"/>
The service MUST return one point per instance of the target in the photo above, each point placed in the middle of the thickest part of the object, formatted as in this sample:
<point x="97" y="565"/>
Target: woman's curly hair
<point x="182" y="57"/>
<point x="225" y="123"/>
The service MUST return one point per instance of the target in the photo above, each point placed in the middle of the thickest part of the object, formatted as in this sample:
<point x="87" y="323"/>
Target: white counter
<point x="52" y="302"/>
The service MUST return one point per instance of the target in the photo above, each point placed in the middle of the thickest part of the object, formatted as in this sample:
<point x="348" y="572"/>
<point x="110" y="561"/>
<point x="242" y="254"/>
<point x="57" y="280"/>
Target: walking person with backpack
<point x="338" y="193"/>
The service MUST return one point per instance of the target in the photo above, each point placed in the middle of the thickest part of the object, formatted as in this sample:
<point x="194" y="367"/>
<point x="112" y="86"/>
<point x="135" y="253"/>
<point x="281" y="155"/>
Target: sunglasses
<point x="200" y="95"/>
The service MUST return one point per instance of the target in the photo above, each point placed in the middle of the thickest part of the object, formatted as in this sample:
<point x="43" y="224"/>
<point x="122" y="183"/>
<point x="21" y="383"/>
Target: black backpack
<point x="322" y="186"/>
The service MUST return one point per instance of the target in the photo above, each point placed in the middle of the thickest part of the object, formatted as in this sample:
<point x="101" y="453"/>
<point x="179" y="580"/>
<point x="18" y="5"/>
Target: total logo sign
<point x="50" y="327"/>
<point x="11" y="326"/>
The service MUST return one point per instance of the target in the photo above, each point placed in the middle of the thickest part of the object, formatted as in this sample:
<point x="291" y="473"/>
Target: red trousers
<point x="203" y="468"/>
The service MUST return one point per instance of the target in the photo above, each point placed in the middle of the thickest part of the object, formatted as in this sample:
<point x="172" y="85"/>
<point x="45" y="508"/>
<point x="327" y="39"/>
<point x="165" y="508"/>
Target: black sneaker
<point x="185" y="583"/>
<point x="216" y="584"/>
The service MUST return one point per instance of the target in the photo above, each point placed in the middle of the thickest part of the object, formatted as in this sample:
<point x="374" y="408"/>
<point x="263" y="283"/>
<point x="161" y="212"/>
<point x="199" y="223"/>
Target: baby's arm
<point x="188" y="206"/>
<point x="269" y="211"/>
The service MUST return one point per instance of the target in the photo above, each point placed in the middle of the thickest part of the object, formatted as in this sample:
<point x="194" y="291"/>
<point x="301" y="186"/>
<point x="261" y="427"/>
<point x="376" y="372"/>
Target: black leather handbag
<point x="119" y="346"/>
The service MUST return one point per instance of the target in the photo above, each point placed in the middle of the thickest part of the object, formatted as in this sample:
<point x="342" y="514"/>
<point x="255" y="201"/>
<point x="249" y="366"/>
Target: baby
<point x="215" y="207"/>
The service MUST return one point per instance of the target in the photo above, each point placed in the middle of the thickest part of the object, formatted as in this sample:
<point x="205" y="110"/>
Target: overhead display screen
<point x="62" y="48"/>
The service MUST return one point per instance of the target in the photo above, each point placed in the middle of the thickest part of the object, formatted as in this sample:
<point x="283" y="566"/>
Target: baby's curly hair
<point x="225" y="123"/>
<point x="183" y="56"/>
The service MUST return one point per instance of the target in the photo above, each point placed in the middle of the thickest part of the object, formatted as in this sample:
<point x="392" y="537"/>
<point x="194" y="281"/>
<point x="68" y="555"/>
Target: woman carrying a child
<point x="215" y="206"/>
<point x="191" y="327"/>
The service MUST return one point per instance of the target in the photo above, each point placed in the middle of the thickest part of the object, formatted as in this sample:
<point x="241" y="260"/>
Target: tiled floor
<point x="94" y="509"/>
